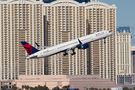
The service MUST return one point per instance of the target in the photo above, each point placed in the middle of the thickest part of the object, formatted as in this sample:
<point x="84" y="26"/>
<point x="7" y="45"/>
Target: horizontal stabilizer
<point x="22" y="56"/>
<point x="42" y="46"/>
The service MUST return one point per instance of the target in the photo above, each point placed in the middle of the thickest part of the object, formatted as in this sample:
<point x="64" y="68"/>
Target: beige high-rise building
<point x="67" y="20"/>
<point x="20" y="20"/>
<point x="124" y="64"/>
<point x="100" y="16"/>
<point x="51" y="24"/>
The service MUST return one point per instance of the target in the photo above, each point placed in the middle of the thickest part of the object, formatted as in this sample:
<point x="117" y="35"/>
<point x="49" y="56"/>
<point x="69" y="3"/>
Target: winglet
<point x="79" y="41"/>
<point x="37" y="44"/>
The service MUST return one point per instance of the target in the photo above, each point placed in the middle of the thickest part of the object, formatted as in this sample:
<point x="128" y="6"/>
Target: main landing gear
<point x="104" y="40"/>
<point x="65" y="54"/>
<point x="73" y="52"/>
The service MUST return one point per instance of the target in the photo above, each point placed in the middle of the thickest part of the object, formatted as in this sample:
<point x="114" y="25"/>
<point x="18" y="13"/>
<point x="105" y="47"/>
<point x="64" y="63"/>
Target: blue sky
<point x="125" y="14"/>
<point x="125" y="11"/>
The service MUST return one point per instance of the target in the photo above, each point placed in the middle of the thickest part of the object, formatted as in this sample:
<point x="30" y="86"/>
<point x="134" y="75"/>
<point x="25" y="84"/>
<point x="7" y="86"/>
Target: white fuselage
<point x="70" y="44"/>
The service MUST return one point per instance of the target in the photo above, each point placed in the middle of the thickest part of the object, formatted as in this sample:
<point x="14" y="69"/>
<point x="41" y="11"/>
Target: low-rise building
<point x="82" y="82"/>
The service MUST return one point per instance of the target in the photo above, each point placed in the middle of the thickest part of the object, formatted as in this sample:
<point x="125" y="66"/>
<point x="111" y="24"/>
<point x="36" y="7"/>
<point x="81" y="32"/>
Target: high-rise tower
<point x="20" y="20"/>
<point x="67" y="20"/>
<point x="124" y="64"/>
<point x="100" y="16"/>
<point x="51" y="24"/>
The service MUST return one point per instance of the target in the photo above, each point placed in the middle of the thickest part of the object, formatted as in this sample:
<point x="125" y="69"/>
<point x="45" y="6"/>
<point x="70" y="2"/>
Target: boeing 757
<point x="80" y="43"/>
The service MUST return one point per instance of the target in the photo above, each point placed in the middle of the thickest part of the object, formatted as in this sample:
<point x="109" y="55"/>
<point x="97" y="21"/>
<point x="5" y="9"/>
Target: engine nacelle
<point x="84" y="46"/>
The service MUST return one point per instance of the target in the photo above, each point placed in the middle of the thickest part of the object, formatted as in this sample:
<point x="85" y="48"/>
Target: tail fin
<point x="30" y="49"/>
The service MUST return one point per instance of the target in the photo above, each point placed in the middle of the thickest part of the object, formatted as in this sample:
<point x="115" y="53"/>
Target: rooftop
<point x="121" y="29"/>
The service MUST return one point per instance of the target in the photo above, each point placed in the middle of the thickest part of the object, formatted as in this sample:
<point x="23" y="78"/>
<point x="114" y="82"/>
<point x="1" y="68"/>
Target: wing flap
<point x="42" y="46"/>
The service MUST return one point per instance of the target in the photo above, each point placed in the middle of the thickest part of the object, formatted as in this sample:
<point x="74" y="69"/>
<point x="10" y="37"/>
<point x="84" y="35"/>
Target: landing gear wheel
<point x="104" y="40"/>
<point x="73" y="53"/>
<point x="65" y="54"/>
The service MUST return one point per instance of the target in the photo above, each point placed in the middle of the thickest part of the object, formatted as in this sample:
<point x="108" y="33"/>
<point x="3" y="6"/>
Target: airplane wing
<point x="42" y="46"/>
<point x="79" y="45"/>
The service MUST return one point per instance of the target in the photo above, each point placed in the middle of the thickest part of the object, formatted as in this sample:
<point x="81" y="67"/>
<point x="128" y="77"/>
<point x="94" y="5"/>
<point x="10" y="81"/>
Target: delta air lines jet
<point x="80" y="43"/>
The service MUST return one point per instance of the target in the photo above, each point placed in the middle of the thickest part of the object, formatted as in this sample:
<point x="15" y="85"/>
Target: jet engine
<point x="84" y="46"/>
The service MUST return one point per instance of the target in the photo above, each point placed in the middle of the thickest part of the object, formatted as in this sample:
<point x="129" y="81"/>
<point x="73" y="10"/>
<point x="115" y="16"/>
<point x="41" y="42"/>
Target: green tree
<point x="104" y="88"/>
<point x="130" y="89"/>
<point x="27" y="87"/>
<point x="92" y="88"/>
<point x="66" y="86"/>
<point x="125" y="88"/>
<point x="39" y="87"/>
<point x="22" y="87"/>
<point x="100" y="89"/>
<point x="36" y="88"/>
<point x="96" y="89"/>
<point x="108" y="88"/>
<point x="56" y="88"/>
<point x="133" y="88"/>
<point x="32" y="88"/>
<point x="4" y="87"/>
<point x="45" y="87"/>
<point x="14" y="87"/>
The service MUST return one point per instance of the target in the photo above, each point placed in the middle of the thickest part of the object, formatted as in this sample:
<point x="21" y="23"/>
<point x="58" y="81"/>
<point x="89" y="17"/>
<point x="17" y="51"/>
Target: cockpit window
<point x="109" y="31"/>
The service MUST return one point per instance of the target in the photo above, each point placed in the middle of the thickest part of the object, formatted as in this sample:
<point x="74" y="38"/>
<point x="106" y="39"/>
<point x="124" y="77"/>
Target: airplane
<point x="80" y="43"/>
